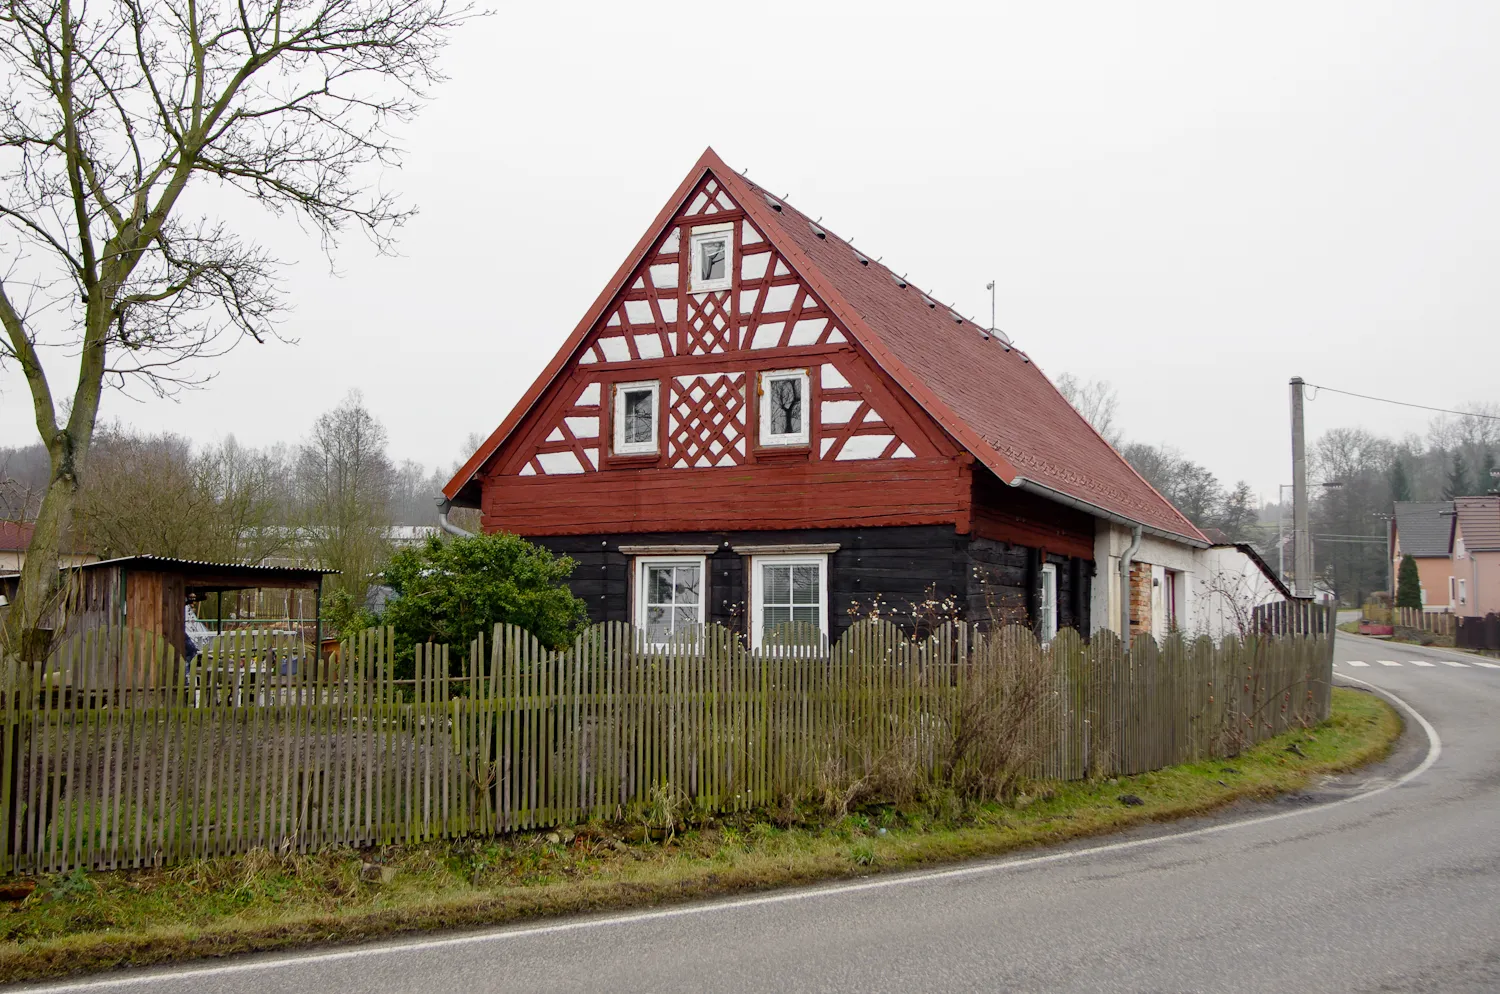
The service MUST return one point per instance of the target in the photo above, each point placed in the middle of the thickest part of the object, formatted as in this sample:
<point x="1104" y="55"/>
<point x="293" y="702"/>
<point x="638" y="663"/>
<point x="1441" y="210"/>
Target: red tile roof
<point x="1026" y="429"/>
<point x="991" y="398"/>
<point x="15" y="536"/>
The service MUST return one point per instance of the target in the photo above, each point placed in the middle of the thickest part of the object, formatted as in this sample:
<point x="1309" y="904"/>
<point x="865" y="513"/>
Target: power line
<point x="1404" y="403"/>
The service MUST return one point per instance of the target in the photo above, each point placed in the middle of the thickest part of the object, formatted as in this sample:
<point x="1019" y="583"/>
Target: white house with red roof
<point x="755" y="423"/>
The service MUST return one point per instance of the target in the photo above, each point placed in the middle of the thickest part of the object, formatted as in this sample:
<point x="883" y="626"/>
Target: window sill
<point x="791" y="452"/>
<point x="631" y="461"/>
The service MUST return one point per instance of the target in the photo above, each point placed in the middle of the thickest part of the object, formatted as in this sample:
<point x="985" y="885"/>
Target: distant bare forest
<point x="331" y="498"/>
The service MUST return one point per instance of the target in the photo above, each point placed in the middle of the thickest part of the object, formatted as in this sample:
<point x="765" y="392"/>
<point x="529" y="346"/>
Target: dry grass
<point x="86" y="922"/>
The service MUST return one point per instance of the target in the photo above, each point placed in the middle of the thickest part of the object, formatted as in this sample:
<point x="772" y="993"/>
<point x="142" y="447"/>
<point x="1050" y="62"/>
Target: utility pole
<point x="1301" y="539"/>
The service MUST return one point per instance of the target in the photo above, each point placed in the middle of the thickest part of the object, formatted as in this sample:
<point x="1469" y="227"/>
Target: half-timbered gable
<point x="750" y="389"/>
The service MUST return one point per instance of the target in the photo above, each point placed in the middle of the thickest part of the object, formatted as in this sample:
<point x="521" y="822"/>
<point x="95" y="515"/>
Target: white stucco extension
<point x="1215" y="589"/>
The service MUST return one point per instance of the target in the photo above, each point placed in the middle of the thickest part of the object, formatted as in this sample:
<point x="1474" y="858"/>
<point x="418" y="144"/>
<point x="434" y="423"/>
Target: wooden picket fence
<point x="1436" y="622"/>
<point x="118" y="753"/>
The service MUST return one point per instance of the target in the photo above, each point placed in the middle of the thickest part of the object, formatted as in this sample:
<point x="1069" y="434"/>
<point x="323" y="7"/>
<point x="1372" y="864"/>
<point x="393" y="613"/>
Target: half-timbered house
<point x="757" y="422"/>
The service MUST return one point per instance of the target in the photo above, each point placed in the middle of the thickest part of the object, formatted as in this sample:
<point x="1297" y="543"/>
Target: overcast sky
<point x="1193" y="201"/>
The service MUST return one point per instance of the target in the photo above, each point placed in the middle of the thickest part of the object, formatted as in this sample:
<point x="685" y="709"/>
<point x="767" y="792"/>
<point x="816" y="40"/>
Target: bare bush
<point x="1007" y="689"/>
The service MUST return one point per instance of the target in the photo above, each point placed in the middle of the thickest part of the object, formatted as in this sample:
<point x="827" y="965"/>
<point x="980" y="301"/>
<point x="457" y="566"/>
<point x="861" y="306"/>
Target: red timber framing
<point x="872" y="455"/>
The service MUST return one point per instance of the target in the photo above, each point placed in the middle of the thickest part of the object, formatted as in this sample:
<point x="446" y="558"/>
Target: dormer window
<point x="635" y="418"/>
<point x="711" y="258"/>
<point x="784" y="408"/>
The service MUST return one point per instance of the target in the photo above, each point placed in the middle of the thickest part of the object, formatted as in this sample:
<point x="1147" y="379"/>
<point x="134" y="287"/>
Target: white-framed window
<point x="711" y="258"/>
<point x="1463" y="592"/>
<point x="787" y="590"/>
<point x="635" y="417"/>
<point x="669" y="595"/>
<point x="1047" y="606"/>
<point x="784" y="408"/>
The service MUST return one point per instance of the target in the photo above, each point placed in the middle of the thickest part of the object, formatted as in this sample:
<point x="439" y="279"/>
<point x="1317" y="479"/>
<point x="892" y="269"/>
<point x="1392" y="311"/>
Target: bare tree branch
<point x="111" y="112"/>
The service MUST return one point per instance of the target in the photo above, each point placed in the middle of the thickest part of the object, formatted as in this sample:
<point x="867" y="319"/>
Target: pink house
<point x="1476" y="556"/>
<point x="1424" y="531"/>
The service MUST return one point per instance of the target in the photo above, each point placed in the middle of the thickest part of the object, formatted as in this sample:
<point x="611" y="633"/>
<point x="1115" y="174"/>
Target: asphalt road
<point x="1388" y="880"/>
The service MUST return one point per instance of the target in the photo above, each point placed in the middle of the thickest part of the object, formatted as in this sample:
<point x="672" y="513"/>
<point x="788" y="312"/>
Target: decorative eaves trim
<point x="812" y="549"/>
<point x="669" y="550"/>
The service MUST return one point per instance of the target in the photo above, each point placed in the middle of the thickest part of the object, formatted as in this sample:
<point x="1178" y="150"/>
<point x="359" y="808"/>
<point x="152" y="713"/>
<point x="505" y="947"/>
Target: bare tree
<point x="1096" y="400"/>
<point x="154" y="494"/>
<point x="346" y="483"/>
<point x="114" y="116"/>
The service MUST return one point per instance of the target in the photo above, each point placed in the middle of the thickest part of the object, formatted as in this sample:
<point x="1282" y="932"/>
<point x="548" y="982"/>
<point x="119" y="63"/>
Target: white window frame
<point x="1047" y="608"/>
<point x="757" y="591"/>
<point x="641" y="565"/>
<point x="1463" y="592"/>
<point x="803" y="435"/>
<point x="621" y="447"/>
<point x="704" y="233"/>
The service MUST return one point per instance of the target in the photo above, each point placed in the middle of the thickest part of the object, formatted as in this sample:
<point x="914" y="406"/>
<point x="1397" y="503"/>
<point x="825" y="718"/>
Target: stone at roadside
<point x="375" y="873"/>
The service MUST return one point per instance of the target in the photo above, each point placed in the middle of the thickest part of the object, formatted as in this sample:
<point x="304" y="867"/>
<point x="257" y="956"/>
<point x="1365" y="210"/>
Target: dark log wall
<point x="898" y="567"/>
<point x="1005" y="584"/>
<point x="915" y="574"/>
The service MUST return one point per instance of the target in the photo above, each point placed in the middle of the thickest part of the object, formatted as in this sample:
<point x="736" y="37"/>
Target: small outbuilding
<point x="152" y="593"/>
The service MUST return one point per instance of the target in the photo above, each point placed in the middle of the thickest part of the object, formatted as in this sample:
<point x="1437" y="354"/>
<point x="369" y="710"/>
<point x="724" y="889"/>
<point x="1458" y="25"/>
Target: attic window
<point x="711" y="258"/>
<point x="817" y="230"/>
<point x="635" y="418"/>
<point x="784" y="408"/>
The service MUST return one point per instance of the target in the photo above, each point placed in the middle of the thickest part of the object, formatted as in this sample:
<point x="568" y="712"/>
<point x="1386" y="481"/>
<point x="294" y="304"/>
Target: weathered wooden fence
<point x="257" y="742"/>
<point x="1294" y="617"/>
<point x="1436" y="622"/>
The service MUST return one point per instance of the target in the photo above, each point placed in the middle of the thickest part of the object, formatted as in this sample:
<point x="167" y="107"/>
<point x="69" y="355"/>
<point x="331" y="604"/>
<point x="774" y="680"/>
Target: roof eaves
<point x="1197" y="541"/>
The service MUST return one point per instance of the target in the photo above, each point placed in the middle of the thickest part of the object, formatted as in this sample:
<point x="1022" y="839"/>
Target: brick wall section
<point x="1140" y="598"/>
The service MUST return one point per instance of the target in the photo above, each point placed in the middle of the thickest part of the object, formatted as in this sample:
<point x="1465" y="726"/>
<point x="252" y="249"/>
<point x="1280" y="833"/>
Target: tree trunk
<point x="37" y="592"/>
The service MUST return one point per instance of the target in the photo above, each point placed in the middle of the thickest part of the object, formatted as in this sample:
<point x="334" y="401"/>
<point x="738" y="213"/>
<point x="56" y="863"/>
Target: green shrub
<point x="452" y="591"/>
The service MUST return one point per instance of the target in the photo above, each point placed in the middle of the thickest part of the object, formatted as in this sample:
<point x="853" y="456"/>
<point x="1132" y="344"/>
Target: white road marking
<point x="1449" y="662"/>
<point x="1356" y="662"/>
<point x="1388" y="662"/>
<point x="1419" y="662"/>
<point x="1488" y="666"/>
<point x="1434" y="750"/>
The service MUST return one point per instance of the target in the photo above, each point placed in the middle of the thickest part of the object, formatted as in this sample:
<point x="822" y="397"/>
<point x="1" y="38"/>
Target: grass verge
<point x="85" y="922"/>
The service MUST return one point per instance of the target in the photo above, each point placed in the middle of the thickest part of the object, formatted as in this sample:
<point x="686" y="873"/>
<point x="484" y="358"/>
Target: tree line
<point x="330" y="499"/>
<point x="1233" y="512"/>
<point x="1358" y="476"/>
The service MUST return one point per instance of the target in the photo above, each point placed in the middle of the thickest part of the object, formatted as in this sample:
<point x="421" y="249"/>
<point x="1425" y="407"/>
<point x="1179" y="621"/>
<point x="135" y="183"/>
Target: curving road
<point x="1388" y="880"/>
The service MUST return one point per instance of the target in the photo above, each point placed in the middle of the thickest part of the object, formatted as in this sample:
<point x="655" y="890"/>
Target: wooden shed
<point x="151" y="593"/>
